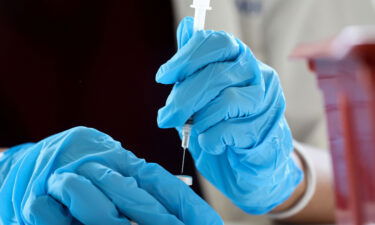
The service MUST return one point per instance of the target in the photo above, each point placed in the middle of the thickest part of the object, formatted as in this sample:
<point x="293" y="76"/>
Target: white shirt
<point x="272" y="29"/>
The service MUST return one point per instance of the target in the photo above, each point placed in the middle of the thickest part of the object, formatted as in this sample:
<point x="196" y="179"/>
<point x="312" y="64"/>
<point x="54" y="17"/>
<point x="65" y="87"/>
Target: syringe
<point x="186" y="133"/>
<point x="201" y="7"/>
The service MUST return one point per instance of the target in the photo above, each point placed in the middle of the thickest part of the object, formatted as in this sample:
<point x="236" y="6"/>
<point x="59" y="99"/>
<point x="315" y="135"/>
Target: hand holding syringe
<point x="235" y="108"/>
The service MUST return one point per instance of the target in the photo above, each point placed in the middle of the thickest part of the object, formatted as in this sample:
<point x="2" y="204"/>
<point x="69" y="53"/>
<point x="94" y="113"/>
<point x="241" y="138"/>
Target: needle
<point x="186" y="132"/>
<point x="183" y="161"/>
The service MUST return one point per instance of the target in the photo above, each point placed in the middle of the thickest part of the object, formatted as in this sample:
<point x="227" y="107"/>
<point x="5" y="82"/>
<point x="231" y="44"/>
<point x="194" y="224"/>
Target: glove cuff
<point x="278" y="194"/>
<point x="310" y="189"/>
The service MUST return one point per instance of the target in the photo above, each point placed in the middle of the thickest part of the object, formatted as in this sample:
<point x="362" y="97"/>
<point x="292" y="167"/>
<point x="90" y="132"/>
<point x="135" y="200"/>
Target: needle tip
<point x="183" y="161"/>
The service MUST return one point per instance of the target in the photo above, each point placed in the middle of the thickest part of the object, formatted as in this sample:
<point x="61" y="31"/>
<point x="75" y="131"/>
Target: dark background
<point x="65" y="63"/>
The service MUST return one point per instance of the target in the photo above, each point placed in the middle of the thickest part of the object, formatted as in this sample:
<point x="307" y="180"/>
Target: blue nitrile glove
<point x="240" y="139"/>
<point x="83" y="176"/>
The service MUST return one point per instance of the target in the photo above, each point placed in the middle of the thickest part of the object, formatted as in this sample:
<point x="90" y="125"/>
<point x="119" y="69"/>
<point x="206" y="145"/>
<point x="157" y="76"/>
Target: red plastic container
<point x="345" y="69"/>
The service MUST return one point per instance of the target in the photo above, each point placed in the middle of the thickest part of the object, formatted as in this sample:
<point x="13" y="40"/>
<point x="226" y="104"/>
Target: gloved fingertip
<point x="185" y="31"/>
<point x="165" y="124"/>
<point x="162" y="76"/>
<point x="169" y="118"/>
<point x="159" y="75"/>
<point x="162" y="121"/>
<point x="209" y="145"/>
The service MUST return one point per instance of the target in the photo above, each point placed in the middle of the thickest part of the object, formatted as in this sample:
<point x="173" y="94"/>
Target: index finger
<point x="203" y="48"/>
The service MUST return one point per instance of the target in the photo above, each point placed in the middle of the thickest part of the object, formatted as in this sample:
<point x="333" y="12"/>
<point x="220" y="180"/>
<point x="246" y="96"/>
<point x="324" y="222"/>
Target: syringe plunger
<point x="200" y="17"/>
<point x="200" y="6"/>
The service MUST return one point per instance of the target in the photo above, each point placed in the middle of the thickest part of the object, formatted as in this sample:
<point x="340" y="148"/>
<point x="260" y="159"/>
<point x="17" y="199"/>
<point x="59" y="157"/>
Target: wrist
<point x="299" y="202"/>
<point x="258" y="203"/>
<point x="299" y="191"/>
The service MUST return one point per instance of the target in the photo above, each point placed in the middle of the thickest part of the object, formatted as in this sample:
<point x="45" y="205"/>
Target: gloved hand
<point x="240" y="139"/>
<point x="83" y="176"/>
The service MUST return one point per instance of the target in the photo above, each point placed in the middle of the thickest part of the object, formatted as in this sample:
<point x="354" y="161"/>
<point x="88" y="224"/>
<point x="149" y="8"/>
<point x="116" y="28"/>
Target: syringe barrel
<point x="200" y="6"/>
<point x="186" y="132"/>
<point x="199" y="19"/>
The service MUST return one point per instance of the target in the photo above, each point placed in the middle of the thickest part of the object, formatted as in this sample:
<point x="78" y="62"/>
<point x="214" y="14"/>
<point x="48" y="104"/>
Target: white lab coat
<point x="272" y="29"/>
